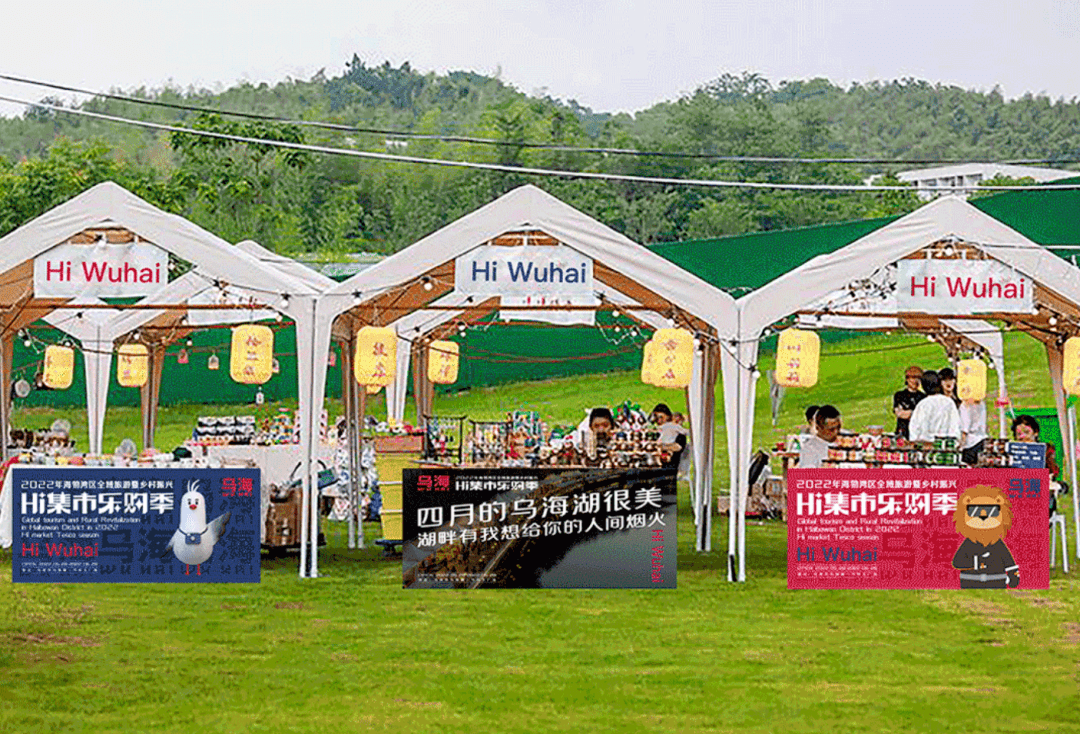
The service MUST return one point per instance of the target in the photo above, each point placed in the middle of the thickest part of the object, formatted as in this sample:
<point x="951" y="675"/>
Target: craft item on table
<point x="489" y="441"/>
<point x="527" y="423"/>
<point x="443" y="438"/>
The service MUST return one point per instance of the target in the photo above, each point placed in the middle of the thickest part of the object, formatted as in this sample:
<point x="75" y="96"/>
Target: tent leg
<point x="7" y="345"/>
<point x="346" y="403"/>
<point x="358" y="452"/>
<point x="1070" y="452"/>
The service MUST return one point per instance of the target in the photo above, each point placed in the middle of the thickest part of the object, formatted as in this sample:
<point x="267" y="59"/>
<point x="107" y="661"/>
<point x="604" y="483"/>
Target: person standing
<point x="948" y="385"/>
<point x="672" y="435"/>
<point x="809" y="428"/>
<point x="935" y="415"/>
<point x="814" y="449"/>
<point x="972" y="430"/>
<point x="904" y="401"/>
<point x="1025" y="429"/>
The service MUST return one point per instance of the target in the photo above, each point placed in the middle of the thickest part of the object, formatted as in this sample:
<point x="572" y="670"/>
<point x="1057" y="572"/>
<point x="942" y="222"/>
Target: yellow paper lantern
<point x="133" y="365"/>
<point x="650" y="358"/>
<point x="1070" y="371"/>
<point x="372" y="389"/>
<point x="443" y="360"/>
<point x="376" y="356"/>
<point x="675" y="358"/>
<point x="251" y="359"/>
<point x="971" y="380"/>
<point x="59" y="367"/>
<point x="797" y="355"/>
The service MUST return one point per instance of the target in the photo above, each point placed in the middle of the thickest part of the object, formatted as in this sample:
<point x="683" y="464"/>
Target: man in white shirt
<point x="815" y="449"/>
<point x="935" y="415"/>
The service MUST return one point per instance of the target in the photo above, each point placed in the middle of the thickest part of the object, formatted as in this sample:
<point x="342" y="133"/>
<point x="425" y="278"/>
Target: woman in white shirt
<point x="935" y="415"/>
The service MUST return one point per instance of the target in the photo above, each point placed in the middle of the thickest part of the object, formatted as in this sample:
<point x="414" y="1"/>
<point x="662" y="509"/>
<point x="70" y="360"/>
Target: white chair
<point x="1057" y="524"/>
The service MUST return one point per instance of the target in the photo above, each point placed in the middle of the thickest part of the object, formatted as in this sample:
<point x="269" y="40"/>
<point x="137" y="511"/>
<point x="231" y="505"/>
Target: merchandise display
<point x="877" y="449"/>
<point x="523" y="440"/>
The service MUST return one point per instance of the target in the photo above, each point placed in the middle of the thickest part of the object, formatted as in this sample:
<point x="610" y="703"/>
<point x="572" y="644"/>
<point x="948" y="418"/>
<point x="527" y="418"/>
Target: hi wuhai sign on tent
<point x="962" y="287"/>
<point x="528" y="270"/>
<point x="100" y="270"/>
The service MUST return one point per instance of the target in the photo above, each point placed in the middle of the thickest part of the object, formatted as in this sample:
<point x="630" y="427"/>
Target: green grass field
<point x="353" y="652"/>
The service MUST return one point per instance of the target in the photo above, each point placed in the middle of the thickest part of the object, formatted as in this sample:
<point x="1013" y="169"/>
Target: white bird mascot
<point x="193" y="542"/>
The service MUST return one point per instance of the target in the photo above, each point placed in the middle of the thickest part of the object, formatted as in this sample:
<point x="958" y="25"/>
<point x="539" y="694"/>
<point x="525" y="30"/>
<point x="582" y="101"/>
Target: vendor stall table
<point x="277" y="464"/>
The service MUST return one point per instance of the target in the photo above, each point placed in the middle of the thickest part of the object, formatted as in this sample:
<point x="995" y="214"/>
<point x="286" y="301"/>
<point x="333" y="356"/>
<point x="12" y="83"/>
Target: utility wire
<point x="338" y="127"/>
<point x="529" y="171"/>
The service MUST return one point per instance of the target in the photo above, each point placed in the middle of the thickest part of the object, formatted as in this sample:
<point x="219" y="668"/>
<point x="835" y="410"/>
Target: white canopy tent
<point x="87" y="327"/>
<point x="625" y="273"/>
<point x="105" y="209"/>
<point x="950" y="221"/>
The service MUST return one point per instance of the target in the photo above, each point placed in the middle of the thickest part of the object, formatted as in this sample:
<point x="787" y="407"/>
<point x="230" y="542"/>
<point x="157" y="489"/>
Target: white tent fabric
<point x="87" y="327"/>
<point x="287" y="265"/>
<point x="815" y="280"/>
<point x="110" y="204"/>
<point x="416" y="323"/>
<point x="197" y="285"/>
<point x="529" y="207"/>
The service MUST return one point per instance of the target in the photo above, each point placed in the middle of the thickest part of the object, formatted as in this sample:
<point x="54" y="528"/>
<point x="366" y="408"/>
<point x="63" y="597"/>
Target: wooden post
<point x="7" y="346"/>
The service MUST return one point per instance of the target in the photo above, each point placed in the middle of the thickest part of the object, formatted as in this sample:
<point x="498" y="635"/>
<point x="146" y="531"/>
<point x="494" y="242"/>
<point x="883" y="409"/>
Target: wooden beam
<point x="527" y="237"/>
<point x="117" y="235"/>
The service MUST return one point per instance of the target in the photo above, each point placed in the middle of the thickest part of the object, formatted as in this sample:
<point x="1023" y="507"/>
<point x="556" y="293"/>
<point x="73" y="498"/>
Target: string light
<point x="428" y="285"/>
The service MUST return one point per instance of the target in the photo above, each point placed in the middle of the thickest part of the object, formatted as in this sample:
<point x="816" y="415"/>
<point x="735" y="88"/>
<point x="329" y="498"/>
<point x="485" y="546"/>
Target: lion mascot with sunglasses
<point x="983" y="516"/>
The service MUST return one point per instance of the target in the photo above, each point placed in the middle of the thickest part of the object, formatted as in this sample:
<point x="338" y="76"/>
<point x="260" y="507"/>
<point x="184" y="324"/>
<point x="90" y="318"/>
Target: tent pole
<point x="1055" y="359"/>
<point x="417" y="386"/>
<point x="694" y="478"/>
<point x="7" y="345"/>
<point x="144" y="404"/>
<point x="1070" y="451"/>
<point x="711" y="366"/>
<point x="156" y="364"/>
<point x="346" y="404"/>
<point x="358" y="452"/>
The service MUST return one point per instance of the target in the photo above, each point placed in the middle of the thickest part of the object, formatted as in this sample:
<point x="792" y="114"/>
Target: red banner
<point x="918" y="528"/>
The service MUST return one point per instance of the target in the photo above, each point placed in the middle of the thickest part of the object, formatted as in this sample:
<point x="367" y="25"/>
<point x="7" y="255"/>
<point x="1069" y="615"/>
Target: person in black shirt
<point x="904" y="401"/>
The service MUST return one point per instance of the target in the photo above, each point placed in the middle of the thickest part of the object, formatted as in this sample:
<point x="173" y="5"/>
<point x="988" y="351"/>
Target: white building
<point x="967" y="176"/>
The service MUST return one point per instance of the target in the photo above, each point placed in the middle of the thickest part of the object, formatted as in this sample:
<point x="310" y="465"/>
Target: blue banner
<point x="135" y="525"/>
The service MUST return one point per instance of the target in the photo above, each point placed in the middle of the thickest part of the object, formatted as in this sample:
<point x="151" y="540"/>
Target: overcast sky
<point x="611" y="55"/>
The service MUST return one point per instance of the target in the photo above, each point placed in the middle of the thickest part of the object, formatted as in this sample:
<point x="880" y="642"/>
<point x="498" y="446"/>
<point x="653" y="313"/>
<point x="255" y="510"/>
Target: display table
<point x="277" y="464"/>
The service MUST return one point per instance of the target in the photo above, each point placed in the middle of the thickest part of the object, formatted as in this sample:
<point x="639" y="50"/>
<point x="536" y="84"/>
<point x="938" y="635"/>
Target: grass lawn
<point x="354" y="652"/>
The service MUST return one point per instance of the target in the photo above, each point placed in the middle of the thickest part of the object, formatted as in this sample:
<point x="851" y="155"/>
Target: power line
<point x="529" y="171"/>
<point x="338" y="127"/>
